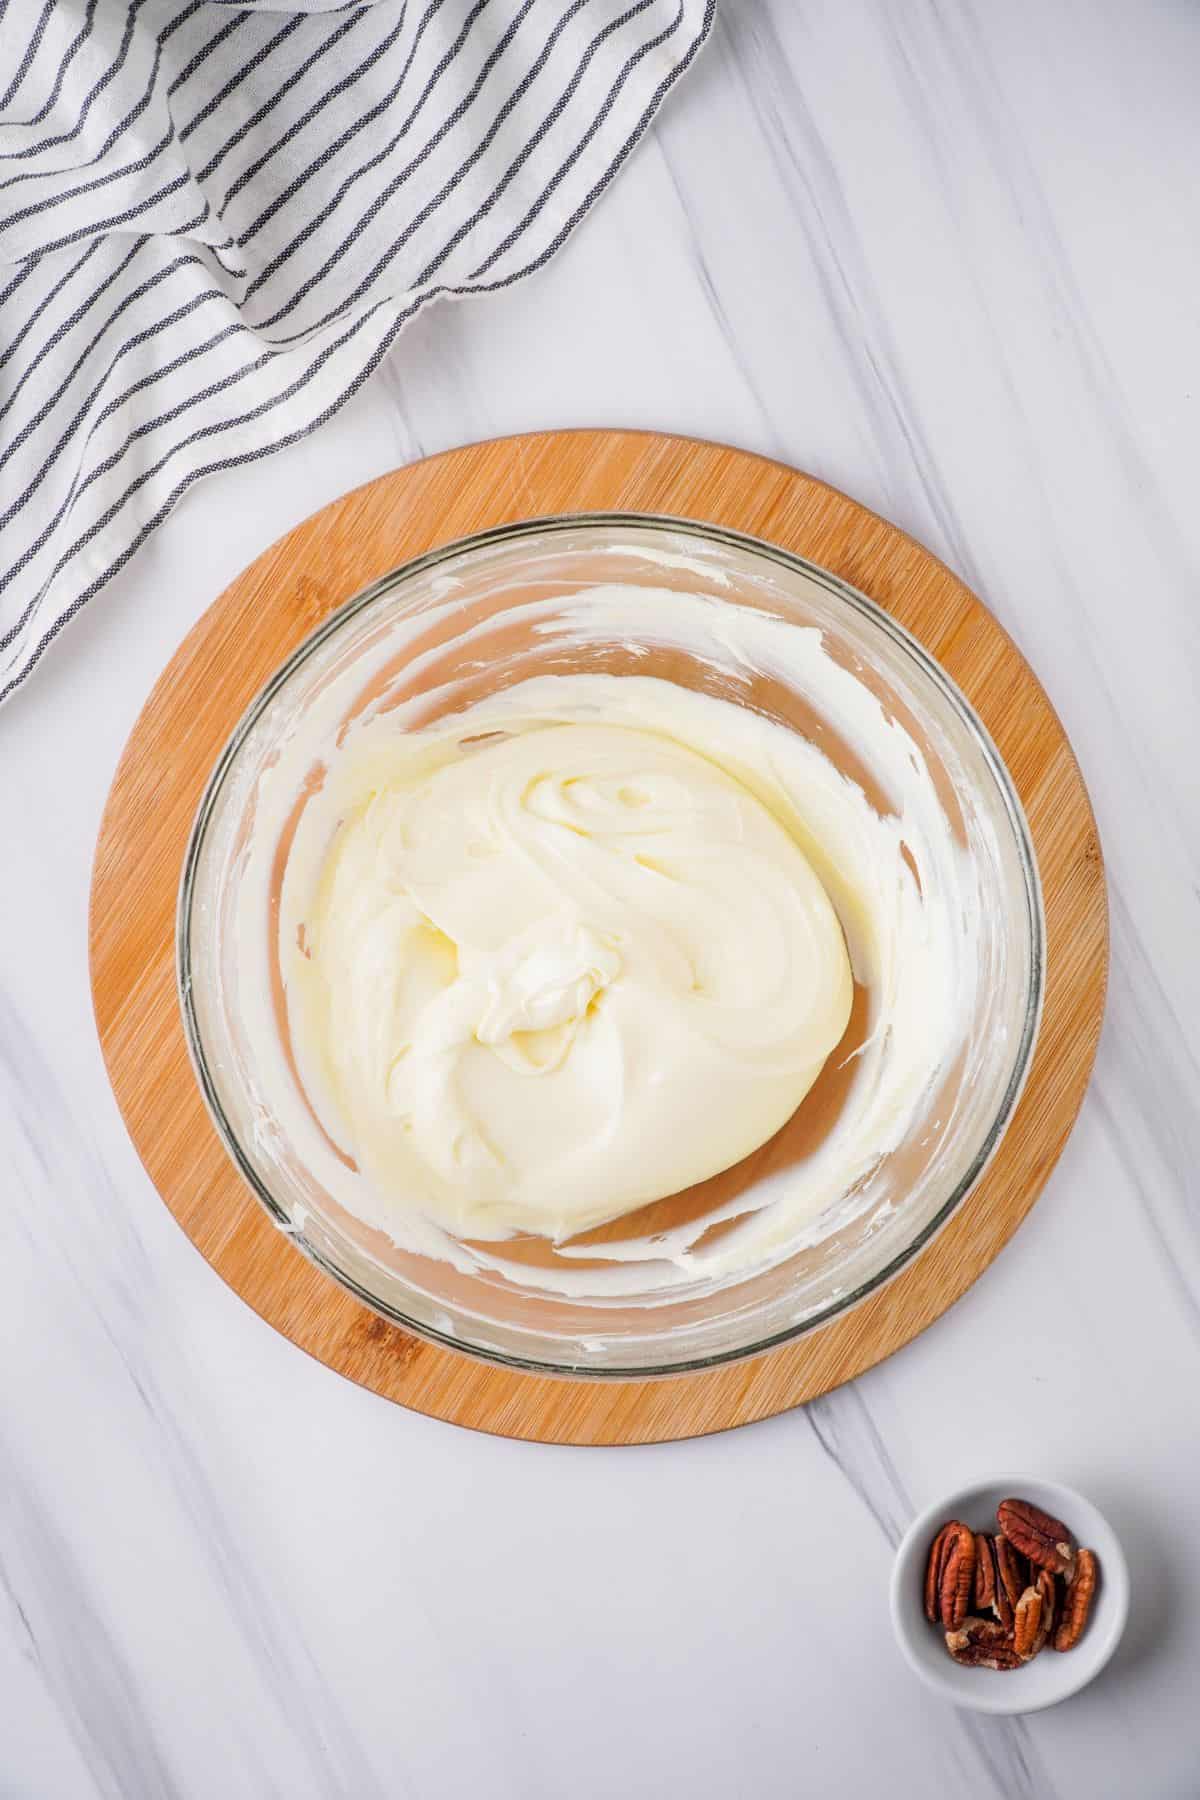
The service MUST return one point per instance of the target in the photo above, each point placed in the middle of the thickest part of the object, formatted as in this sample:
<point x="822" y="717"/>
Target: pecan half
<point x="1077" y="1601"/>
<point x="983" y="1655"/>
<point x="975" y="1630"/>
<point x="956" y="1576"/>
<point x="1027" y="1621"/>
<point x="985" y="1574"/>
<point x="1043" y="1539"/>
<point x="1048" y="1589"/>
<point x="1010" y="1580"/>
<point x="933" y="1574"/>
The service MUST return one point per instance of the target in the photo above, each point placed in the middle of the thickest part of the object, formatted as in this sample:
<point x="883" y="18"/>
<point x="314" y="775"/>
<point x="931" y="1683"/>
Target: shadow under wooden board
<point x="241" y="640"/>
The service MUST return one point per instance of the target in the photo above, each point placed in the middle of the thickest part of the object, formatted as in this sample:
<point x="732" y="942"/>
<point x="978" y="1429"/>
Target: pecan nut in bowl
<point x="1077" y="1602"/>
<point x="1010" y="1580"/>
<point x="985" y="1573"/>
<point x="956" y="1575"/>
<point x="1041" y="1538"/>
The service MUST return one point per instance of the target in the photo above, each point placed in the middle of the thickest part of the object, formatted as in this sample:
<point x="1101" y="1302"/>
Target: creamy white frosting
<point x="549" y="977"/>
<point x="588" y="939"/>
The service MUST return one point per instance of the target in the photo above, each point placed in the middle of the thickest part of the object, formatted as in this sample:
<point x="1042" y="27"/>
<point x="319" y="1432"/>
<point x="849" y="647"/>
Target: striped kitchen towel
<point x="214" y="220"/>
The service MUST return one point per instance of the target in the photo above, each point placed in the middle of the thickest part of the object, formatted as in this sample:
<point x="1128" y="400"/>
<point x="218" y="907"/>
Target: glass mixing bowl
<point x="915" y="1188"/>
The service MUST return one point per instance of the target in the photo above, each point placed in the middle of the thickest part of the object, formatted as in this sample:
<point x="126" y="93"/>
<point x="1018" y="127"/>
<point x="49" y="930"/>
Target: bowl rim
<point x="707" y="534"/>
<point x="908" y="1616"/>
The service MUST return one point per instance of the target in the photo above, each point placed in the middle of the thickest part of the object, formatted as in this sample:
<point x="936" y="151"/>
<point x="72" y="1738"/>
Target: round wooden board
<point x="243" y="638"/>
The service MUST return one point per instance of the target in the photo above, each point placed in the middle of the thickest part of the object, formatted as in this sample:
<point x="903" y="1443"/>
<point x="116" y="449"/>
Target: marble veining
<point x="998" y="1751"/>
<point x="944" y="255"/>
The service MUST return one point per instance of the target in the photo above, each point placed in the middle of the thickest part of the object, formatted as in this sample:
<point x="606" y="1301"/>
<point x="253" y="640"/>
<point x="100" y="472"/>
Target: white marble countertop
<point x="946" y="256"/>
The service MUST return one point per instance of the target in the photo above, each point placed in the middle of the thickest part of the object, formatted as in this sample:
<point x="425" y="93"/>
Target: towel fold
<point x="214" y="221"/>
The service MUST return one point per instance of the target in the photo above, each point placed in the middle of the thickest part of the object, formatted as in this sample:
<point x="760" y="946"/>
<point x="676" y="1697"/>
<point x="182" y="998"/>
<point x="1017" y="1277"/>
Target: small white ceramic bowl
<point x="1050" y="1677"/>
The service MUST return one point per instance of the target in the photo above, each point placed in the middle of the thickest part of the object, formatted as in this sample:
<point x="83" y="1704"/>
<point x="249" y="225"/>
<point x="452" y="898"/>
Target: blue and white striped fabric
<point x="214" y="220"/>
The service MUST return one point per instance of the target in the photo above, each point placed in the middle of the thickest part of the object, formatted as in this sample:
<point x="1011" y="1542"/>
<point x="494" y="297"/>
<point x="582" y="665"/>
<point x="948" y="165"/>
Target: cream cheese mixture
<point x="557" y="974"/>
<point x="591" y="939"/>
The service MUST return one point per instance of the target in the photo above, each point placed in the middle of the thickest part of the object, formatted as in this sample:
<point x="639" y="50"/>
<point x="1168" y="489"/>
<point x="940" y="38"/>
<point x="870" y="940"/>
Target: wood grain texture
<point x="238" y="644"/>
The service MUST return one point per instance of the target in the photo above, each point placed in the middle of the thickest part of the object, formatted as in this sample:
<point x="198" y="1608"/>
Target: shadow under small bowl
<point x="1051" y="1676"/>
